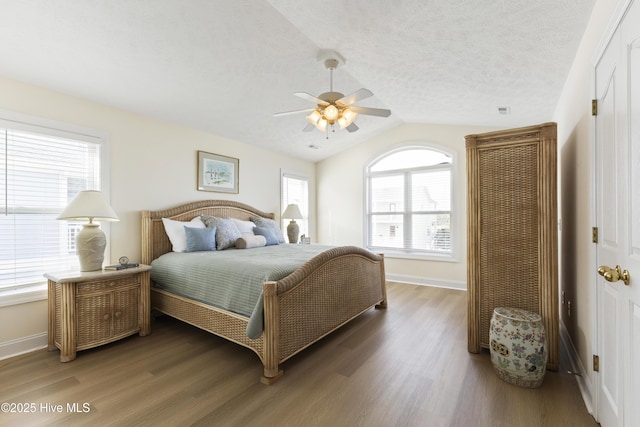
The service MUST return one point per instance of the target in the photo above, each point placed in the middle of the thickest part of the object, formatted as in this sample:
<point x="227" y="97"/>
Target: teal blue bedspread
<point x="231" y="279"/>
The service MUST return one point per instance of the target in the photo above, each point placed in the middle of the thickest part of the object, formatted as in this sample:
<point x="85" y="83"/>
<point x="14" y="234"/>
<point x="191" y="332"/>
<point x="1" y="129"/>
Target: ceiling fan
<point x="334" y="107"/>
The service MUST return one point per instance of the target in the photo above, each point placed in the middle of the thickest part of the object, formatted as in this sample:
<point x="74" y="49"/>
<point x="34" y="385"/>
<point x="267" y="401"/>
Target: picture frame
<point x="217" y="173"/>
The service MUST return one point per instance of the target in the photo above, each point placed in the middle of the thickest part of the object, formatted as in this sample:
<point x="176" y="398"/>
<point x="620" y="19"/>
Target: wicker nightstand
<point x="88" y="309"/>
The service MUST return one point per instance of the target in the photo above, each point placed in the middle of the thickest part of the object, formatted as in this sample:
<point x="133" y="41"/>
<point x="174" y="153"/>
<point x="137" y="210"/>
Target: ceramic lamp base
<point x="90" y="245"/>
<point x="293" y="230"/>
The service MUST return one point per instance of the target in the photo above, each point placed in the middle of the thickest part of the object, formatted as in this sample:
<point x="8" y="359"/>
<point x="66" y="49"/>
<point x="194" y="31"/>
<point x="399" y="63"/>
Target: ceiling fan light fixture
<point x="342" y="122"/>
<point x="314" y="117"/>
<point x="322" y="124"/>
<point x="346" y="117"/>
<point x="349" y="115"/>
<point x="331" y="113"/>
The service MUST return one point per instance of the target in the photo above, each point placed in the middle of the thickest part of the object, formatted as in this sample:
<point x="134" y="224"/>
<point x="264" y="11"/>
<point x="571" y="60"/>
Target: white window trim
<point x="65" y="130"/>
<point x="408" y="254"/>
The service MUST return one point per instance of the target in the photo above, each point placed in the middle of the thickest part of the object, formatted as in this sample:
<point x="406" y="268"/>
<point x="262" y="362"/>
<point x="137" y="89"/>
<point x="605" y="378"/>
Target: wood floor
<point x="404" y="366"/>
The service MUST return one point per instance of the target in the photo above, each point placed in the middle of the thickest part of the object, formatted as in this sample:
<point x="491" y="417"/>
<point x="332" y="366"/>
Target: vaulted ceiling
<point x="225" y="66"/>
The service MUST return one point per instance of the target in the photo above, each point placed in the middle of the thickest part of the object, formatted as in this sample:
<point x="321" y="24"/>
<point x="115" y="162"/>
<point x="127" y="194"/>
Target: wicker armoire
<point x="512" y="231"/>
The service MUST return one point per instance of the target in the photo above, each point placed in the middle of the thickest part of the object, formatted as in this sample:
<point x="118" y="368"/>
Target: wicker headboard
<point x="155" y="241"/>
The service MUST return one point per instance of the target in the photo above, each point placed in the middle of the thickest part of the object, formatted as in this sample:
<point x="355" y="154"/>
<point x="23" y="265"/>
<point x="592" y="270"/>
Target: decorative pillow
<point x="248" y="242"/>
<point x="244" y="226"/>
<point x="176" y="233"/>
<point x="200" y="239"/>
<point x="227" y="231"/>
<point x="271" y="225"/>
<point x="268" y="234"/>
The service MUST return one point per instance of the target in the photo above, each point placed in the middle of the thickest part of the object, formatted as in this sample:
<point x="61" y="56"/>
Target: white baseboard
<point x="23" y="345"/>
<point x="584" y="379"/>
<point x="426" y="281"/>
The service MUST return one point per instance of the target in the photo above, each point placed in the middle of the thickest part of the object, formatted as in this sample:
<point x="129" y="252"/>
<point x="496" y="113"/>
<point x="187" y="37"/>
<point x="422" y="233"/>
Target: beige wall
<point x="152" y="166"/>
<point x="573" y="114"/>
<point x="341" y="213"/>
<point x="21" y="321"/>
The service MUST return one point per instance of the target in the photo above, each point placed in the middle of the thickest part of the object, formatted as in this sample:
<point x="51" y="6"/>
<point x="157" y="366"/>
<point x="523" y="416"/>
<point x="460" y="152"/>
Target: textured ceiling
<point x="226" y="66"/>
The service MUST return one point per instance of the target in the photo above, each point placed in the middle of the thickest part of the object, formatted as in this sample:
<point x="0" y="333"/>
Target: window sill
<point x="23" y="295"/>
<point x="416" y="256"/>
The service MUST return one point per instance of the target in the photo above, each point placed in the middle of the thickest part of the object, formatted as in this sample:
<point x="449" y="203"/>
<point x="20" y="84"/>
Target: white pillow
<point x="245" y="227"/>
<point x="176" y="233"/>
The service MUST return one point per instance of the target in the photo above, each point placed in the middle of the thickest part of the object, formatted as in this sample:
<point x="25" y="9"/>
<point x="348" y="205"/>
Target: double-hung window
<point x="295" y="190"/>
<point x="42" y="167"/>
<point x="409" y="193"/>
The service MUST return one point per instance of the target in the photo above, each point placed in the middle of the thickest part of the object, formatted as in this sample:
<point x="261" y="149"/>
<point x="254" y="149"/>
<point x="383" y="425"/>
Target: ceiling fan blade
<point x="309" y="97"/>
<point x="286" y="113"/>
<point x="352" y="127"/>
<point x="355" y="96"/>
<point x="308" y="128"/>
<point x="370" y="111"/>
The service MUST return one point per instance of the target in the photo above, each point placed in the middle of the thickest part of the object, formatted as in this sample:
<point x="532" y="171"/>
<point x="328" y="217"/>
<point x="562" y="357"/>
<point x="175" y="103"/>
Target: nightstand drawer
<point x="107" y="285"/>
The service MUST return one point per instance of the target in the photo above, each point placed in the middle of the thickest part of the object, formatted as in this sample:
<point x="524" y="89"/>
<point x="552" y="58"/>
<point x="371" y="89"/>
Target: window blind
<point x="40" y="172"/>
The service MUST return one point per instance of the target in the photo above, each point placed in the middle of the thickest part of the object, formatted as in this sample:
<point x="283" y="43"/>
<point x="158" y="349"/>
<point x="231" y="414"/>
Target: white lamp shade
<point x="88" y="205"/>
<point x="292" y="212"/>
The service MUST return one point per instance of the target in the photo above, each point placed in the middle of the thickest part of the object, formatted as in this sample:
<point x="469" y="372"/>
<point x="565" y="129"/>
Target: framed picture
<point x="217" y="173"/>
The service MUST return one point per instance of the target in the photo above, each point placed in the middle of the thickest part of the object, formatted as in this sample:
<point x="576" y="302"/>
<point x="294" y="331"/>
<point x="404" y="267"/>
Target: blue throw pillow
<point x="269" y="224"/>
<point x="268" y="234"/>
<point x="200" y="239"/>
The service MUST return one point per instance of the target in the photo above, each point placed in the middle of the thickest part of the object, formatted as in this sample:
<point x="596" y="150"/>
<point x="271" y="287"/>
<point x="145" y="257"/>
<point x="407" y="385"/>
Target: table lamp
<point x="91" y="241"/>
<point x="292" y="212"/>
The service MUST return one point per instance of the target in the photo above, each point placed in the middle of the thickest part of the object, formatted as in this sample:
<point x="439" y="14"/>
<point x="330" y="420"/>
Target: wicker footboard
<point x="324" y="294"/>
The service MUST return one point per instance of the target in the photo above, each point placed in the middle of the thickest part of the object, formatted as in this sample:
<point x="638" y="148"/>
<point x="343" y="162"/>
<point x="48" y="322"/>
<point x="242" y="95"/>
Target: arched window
<point x="409" y="194"/>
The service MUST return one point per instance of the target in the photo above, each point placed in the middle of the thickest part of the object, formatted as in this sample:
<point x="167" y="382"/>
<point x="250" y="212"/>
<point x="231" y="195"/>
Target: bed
<point x="317" y="298"/>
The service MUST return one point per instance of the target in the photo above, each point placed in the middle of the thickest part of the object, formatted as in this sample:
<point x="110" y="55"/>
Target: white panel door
<point x="609" y="403"/>
<point x="617" y="136"/>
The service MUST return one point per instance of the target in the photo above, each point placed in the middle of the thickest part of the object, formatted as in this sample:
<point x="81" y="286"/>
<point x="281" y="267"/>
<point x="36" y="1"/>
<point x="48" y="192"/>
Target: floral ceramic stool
<point x="518" y="346"/>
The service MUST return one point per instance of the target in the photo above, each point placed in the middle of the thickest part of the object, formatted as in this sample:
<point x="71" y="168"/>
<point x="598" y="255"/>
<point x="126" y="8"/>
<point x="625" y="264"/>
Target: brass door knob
<point x="614" y="274"/>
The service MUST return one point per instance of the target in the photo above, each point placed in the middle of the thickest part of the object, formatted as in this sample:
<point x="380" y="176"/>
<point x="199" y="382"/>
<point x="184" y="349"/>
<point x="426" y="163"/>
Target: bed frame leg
<point x="264" y="379"/>
<point x="383" y="286"/>
<point x="271" y="371"/>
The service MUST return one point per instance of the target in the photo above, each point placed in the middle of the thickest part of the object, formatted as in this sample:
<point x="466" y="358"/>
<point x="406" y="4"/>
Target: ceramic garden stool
<point x="518" y="346"/>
